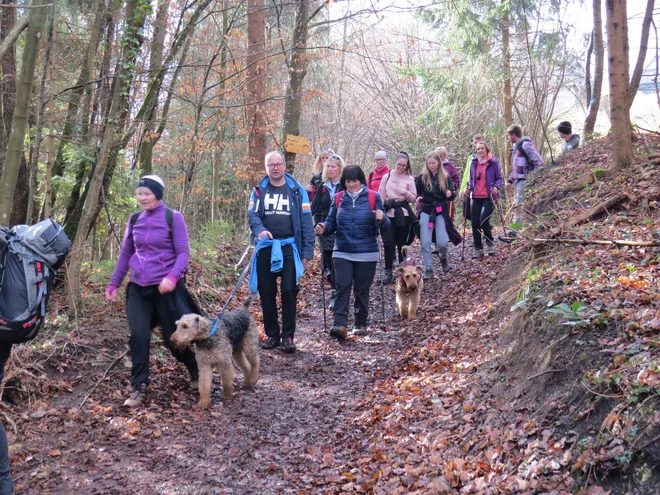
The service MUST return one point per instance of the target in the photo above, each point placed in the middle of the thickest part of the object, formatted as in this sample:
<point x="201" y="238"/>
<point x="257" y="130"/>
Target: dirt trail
<point x="281" y="437"/>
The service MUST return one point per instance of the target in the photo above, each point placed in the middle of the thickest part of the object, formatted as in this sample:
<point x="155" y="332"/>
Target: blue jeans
<point x="518" y="197"/>
<point x="6" y="483"/>
<point x="425" y="237"/>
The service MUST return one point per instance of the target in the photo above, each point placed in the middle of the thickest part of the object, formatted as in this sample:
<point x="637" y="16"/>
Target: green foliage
<point x="577" y="314"/>
<point x="205" y="252"/>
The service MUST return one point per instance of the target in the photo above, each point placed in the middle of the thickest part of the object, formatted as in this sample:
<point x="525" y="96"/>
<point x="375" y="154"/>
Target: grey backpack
<point x="29" y="259"/>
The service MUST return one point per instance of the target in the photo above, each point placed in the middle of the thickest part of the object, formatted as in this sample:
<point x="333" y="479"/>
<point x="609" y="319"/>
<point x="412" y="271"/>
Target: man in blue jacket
<point x="281" y="219"/>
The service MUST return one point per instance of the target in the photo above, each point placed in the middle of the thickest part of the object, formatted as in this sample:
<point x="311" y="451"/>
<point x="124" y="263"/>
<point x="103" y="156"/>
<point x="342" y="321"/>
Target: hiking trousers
<point x="267" y="287"/>
<point x="358" y="275"/>
<point x="482" y="210"/>
<point x="6" y="482"/>
<point x="147" y="308"/>
<point x="518" y="198"/>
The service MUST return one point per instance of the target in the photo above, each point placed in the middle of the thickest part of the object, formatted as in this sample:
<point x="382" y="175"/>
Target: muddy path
<point x="280" y="437"/>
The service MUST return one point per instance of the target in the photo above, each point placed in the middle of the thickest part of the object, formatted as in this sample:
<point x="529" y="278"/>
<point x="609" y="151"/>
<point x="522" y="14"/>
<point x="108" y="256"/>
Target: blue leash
<point x="217" y="319"/>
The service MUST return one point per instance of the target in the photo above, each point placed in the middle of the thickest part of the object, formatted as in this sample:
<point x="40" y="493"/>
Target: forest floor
<point x="485" y="392"/>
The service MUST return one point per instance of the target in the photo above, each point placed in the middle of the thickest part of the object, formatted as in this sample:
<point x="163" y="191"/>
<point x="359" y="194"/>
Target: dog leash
<point x="231" y="296"/>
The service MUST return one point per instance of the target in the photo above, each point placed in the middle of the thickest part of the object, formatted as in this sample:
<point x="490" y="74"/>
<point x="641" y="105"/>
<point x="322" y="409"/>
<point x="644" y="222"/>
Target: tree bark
<point x="256" y="89"/>
<point x="135" y="17"/>
<point x="618" y="55"/>
<point x="297" y="65"/>
<point x="7" y="81"/>
<point x="599" y="63"/>
<point x="508" y="94"/>
<point x="641" y="56"/>
<point x="21" y="110"/>
<point x="10" y="39"/>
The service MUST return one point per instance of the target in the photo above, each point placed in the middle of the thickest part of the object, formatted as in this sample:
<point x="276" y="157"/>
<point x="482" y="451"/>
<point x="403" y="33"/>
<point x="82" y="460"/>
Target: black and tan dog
<point x="236" y="336"/>
<point x="409" y="285"/>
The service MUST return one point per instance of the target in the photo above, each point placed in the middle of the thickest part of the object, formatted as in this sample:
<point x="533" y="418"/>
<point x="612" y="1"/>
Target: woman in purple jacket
<point x="484" y="186"/>
<point x="156" y="250"/>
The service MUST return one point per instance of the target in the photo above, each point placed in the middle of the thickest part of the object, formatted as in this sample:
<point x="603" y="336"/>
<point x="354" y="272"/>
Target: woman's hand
<point x="379" y="215"/>
<point x="310" y="188"/>
<point x="401" y="191"/>
<point x="448" y="193"/>
<point x="264" y="234"/>
<point x="111" y="294"/>
<point x="166" y="285"/>
<point x="419" y="199"/>
<point x="320" y="228"/>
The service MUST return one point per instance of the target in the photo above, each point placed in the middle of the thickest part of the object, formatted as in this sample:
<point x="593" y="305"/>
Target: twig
<point x="112" y="365"/>
<point x="10" y="422"/>
<point x="602" y="395"/>
<point x="545" y="373"/>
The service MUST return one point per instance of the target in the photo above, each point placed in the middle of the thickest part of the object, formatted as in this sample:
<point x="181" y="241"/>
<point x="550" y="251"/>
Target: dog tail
<point x="404" y="250"/>
<point x="247" y="302"/>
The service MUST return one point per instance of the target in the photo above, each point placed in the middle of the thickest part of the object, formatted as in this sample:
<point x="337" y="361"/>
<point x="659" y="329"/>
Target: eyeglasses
<point x="275" y="165"/>
<point x="381" y="159"/>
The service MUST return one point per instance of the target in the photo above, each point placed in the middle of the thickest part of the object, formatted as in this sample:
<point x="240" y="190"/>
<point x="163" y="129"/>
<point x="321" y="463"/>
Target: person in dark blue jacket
<point x="281" y="219"/>
<point x="356" y="226"/>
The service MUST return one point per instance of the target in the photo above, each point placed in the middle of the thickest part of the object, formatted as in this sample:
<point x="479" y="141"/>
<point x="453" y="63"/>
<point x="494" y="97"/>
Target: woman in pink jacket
<point x="397" y="189"/>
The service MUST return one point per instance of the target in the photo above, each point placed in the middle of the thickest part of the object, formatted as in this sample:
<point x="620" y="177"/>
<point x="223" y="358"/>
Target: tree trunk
<point x="599" y="64"/>
<point x="21" y="110"/>
<point x="641" y="57"/>
<point x="148" y="140"/>
<point x="7" y="81"/>
<point x="618" y="56"/>
<point x="297" y="65"/>
<point x="508" y="94"/>
<point x="256" y="89"/>
<point x="135" y="17"/>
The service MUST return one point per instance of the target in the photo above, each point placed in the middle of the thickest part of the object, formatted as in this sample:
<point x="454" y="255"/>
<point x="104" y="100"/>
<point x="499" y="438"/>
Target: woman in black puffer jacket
<point x="356" y="216"/>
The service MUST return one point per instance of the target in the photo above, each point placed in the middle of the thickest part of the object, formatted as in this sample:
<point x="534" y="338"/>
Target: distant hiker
<point x="571" y="141"/>
<point x="450" y="168"/>
<point x="356" y="217"/>
<point x="281" y="219"/>
<point x="484" y="186"/>
<point x="323" y="200"/>
<point x="524" y="159"/>
<point x="381" y="170"/>
<point x="434" y="191"/>
<point x="478" y="138"/>
<point x="156" y="250"/>
<point x="316" y="180"/>
<point x="397" y="190"/>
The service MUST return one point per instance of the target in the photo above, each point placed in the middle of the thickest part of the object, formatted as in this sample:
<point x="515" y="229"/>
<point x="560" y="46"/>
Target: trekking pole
<point x="382" y="288"/>
<point x="325" y="321"/>
<point x="463" y="247"/>
<point x="499" y="210"/>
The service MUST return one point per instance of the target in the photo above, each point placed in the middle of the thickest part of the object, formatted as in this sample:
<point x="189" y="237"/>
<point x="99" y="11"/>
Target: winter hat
<point x="565" y="127"/>
<point x="381" y="154"/>
<point x="153" y="183"/>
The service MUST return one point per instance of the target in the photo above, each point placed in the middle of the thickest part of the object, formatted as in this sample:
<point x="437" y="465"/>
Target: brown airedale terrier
<point x="409" y="285"/>
<point x="236" y="336"/>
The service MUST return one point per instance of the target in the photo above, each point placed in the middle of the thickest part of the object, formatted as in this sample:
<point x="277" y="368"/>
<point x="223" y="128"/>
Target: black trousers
<point x="145" y="308"/>
<point x="359" y="275"/>
<point x="328" y="263"/>
<point x="396" y="235"/>
<point x="6" y="482"/>
<point x="267" y="287"/>
<point x="482" y="209"/>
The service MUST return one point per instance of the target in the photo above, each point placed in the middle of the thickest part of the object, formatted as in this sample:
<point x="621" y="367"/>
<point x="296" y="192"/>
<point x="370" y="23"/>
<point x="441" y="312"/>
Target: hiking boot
<point x="138" y="395"/>
<point x="478" y="253"/>
<point x="270" y="343"/>
<point x="387" y="276"/>
<point x="360" y="330"/>
<point x="339" y="332"/>
<point x="428" y="273"/>
<point x="443" y="260"/>
<point x="490" y="250"/>
<point x="333" y="296"/>
<point x="288" y="346"/>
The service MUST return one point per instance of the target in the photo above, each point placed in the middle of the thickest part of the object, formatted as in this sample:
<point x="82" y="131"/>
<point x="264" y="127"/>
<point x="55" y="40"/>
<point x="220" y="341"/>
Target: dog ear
<point x="399" y="271"/>
<point x="420" y="269"/>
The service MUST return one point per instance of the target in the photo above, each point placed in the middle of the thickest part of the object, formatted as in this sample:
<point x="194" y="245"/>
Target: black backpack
<point x="29" y="259"/>
<point x="530" y="164"/>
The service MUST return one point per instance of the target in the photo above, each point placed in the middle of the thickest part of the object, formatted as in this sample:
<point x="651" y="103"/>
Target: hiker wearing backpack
<point x="316" y="181"/>
<point x="450" y="168"/>
<point x="156" y="250"/>
<point x="570" y="141"/>
<point x="381" y="170"/>
<point x="484" y="188"/>
<point x="524" y="159"/>
<point x="356" y="217"/>
<point x="397" y="190"/>
<point x="332" y="171"/>
<point x="281" y="219"/>
<point x="435" y="190"/>
<point x="478" y="138"/>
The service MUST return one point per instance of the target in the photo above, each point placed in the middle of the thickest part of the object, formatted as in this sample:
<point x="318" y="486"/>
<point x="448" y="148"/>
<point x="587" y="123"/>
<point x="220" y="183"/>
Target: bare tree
<point x="256" y="87"/>
<point x="593" y="95"/>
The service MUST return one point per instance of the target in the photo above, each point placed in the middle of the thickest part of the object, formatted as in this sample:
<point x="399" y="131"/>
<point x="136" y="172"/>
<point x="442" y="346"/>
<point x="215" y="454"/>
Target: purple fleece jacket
<point x="150" y="252"/>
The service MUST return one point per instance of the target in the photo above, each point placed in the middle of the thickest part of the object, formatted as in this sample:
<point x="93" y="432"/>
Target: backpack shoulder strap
<point x="338" y="197"/>
<point x="371" y="194"/>
<point x="132" y="220"/>
<point x="371" y="177"/>
<point x="169" y="218"/>
<point x="522" y="149"/>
